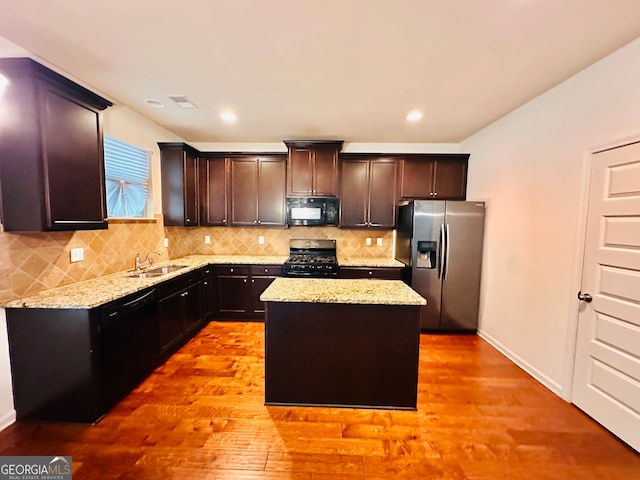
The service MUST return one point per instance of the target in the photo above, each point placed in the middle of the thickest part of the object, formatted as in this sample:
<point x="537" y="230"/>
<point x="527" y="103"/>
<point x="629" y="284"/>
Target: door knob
<point x="585" y="297"/>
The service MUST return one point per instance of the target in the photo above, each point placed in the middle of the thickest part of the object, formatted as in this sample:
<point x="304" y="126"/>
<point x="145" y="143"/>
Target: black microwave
<point x="311" y="211"/>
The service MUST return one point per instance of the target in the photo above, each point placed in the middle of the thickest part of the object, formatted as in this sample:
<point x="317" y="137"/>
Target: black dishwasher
<point x="130" y="342"/>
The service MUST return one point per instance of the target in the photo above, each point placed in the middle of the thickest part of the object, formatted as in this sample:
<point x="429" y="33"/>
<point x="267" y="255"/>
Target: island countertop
<point x="330" y="290"/>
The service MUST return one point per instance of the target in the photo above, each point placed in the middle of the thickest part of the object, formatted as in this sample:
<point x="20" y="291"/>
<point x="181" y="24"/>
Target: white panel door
<point x="606" y="382"/>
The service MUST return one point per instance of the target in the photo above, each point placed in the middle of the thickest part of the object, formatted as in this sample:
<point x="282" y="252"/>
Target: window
<point x="127" y="178"/>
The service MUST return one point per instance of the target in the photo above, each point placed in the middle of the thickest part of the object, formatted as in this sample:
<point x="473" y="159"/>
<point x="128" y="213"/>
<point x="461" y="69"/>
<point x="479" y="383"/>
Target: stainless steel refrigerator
<point x="441" y="244"/>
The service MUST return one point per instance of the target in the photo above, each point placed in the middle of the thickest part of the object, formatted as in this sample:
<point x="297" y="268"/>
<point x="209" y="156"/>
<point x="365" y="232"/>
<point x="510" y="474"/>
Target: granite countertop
<point x="101" y="290"/>
<point x="325" y="290"/>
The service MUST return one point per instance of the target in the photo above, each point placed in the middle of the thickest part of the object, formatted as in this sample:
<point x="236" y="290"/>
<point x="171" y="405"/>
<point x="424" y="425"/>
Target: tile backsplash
<point x="32" y="262"/>
<point x="245" y="241"/>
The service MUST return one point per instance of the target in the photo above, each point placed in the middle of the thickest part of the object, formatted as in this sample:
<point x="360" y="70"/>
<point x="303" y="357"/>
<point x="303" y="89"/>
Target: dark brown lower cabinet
<point x="232" y="290"/>
<point x="180" y="308"/>
<point x="73" y="365"/>
<point x="238" y="289"/>
<point x="261" y="278"/>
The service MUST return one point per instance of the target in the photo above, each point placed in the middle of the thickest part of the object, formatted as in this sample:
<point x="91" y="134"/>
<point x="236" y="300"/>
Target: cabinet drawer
<point x="268" y="270"/>
<point x="232" y="270"/>
<point x="384" y="273"/>
<point x="183" y="281"/>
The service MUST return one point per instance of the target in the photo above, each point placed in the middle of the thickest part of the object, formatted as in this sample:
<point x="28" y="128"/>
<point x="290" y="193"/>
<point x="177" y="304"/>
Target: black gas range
<point x="311" y="259"/>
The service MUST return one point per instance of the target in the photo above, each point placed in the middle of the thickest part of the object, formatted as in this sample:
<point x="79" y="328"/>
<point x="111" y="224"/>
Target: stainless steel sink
<point x="157" y="271"/>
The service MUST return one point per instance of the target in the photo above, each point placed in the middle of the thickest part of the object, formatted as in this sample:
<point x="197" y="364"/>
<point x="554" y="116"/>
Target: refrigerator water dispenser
<point x="427" y="254"/>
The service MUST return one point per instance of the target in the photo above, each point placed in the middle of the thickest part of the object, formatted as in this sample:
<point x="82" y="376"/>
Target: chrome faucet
<point x="148" y="257"/>
<point x="140" y="263"/>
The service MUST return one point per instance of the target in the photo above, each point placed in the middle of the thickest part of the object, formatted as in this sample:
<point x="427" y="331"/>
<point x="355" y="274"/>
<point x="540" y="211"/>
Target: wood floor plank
<point x="201" y="415"/>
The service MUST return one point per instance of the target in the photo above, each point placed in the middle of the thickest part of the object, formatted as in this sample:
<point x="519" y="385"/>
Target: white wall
<point x="531" y="167"/>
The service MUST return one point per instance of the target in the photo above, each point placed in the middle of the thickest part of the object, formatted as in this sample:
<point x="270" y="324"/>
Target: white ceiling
<point x="323" y="69"/>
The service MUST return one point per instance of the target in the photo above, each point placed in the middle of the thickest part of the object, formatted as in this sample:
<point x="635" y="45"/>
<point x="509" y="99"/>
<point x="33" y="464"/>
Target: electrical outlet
<point x="368" y="241"/>
<point x="77" y="254"/>
<point x="379" y="242"/>
<point x="261" y="239"/>
<point x="166" y="243"/>
<point x="207" y="239"/>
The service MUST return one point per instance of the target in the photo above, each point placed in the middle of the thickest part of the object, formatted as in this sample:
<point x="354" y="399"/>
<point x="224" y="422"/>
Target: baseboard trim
<point x="527" y="367"/>
<point x="7" y="419"/>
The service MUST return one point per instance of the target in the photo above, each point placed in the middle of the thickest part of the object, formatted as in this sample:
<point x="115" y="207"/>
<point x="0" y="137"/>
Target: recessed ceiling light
<point x="414" y="116"/>
<point x="228" y="117"/>
<point x="152" y="102"/>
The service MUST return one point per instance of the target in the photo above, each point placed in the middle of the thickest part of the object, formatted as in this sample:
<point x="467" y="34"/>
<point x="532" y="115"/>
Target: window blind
<point x="127" y="178"/>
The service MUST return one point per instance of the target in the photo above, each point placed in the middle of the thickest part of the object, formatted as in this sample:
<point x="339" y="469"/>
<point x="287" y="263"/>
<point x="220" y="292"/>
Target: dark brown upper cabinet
<point x="312" y="168"/>
<point x="368" y="192"/>
<point x="257" y="188"/>
<point x="214" y="197"/>
<point x="51" y="151"/>
<point x="180" y="184"/>
<point x="434" y="177"/>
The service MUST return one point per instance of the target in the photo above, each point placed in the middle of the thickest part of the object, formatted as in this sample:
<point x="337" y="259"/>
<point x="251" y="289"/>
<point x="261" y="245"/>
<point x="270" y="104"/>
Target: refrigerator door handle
<point x="442" y="252"/>
<point x="446" y="255"/>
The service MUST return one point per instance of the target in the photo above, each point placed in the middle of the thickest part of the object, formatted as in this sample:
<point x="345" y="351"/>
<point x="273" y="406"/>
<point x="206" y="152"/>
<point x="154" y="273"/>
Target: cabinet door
<point x="271" y="192"/>
<point x="179" y="164"/>
<point x="259" y="284"/>
<point x="451" y="179"/>
<point x="325" y="167"/>
<point x="192" y="299"/>
<point x="416" y="178"/>
<point x="382" y="193"/>
<point x="209" y="299"/>
<point x="233" y="295"/>
<point x="73" y="163"/>
<point x="190" y="189"/>
<point x="354" y="193"/>
<point x="300" y="172"/>
<point x="244" y="191"/>
<point x="213" y="191"/>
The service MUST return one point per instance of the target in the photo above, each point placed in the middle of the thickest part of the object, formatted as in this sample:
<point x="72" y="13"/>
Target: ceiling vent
<point x="182" y="101"/>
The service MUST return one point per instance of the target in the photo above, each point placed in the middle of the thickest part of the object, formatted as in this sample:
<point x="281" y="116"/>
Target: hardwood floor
<point x="201" y="416"/>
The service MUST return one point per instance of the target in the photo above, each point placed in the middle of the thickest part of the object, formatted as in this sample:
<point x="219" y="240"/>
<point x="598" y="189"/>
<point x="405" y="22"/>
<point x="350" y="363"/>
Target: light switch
<point x="379" y="242"/>
<point x="77" y="254"/>
<point x="166" y="242"/>
<point x="261" y="239"/>
<point x="368" y="241"/>
<point x="207" y="239"/>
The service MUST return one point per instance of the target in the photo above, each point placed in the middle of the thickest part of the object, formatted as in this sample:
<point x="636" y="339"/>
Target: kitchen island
<point x="341" y="342"/>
